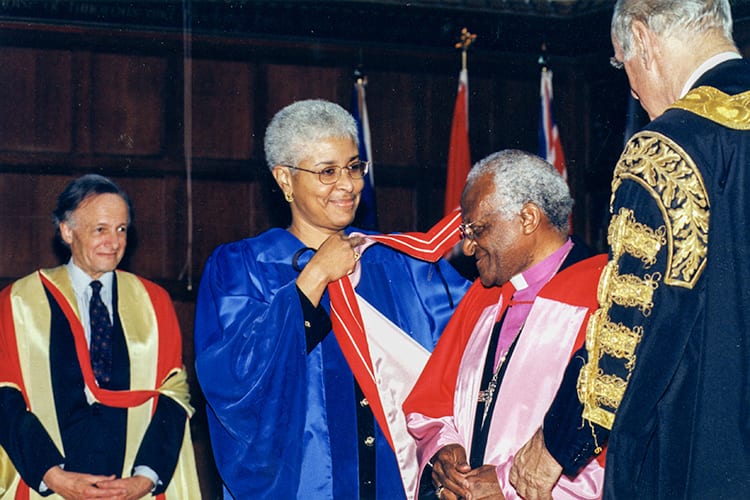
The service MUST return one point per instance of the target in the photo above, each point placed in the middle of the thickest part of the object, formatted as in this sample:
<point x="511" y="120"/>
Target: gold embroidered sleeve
<point x="675" y="248"/>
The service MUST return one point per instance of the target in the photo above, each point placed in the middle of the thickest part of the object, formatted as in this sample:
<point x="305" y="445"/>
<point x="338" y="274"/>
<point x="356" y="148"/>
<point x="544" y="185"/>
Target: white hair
<point x="520" y="177"/>
<point x="302" y="123"/>
<point x="681" y="18"/>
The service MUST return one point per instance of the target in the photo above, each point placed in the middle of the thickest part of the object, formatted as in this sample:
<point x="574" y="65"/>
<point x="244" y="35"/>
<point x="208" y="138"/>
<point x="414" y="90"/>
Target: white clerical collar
<point x="519" y="282"/>
<point x="708" y="64"/>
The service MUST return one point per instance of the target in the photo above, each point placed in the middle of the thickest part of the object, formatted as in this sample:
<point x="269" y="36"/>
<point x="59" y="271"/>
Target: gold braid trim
<point x="615" y="339"/>
<point x="671" y="177"/>
<point x="625" y="235"/>
<point x="600" y="391"/>
<point x="731" y="111"/>
<point x="626" y="290"/>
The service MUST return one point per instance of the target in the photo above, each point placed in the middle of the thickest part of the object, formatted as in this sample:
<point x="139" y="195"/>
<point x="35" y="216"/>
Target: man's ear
<point x="644" y="44"/>
<point x="531" y="217"/>
<point x="66" y="233"/>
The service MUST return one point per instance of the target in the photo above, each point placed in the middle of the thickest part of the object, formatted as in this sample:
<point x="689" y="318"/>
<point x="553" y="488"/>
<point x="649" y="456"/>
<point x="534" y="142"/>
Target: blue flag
<point x="367" y="214"/>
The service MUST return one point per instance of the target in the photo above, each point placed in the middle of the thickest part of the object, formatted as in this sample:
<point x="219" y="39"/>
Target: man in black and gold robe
<point x="666" y="373"/>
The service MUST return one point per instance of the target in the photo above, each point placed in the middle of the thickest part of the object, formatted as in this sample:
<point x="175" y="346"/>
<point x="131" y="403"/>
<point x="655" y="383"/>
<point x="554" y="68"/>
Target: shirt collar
<point x="534" y="278"/>
<point x="709" y="63"/>
<point x="80" y="280"/>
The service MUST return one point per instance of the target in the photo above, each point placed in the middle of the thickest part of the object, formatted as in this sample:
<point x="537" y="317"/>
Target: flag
<point x="550" y="147"/>
<point x="367" y="214"/>
<point x="459" y="156"/>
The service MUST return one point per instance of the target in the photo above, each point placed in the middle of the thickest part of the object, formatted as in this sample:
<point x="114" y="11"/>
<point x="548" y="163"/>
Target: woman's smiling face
<point x="326" y="207"/>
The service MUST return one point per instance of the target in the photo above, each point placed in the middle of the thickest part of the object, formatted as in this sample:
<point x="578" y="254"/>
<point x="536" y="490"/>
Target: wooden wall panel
<point x="487" y="118"/>
<point x="222" y="109"/>
<point x="391" y="98"/>
<point x="519" y="115"/>
<point x="396" y="208"/>
<point x="152" y="226"/>
<point x="223" y="212"/>
<point x="36" y="100"/>
<point x="128" y="104"/>
<point x="287" y="83"/>
<point x="434" y="99"/>
<point x="26" y="230"/>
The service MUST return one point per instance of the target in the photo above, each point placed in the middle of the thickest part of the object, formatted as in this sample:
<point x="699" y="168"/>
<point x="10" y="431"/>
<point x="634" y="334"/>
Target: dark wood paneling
<point x="222" y="110"/>
<point x="152" y="226"/>
<point x="36" y="100"/>
<point x="223" y="212"/>
<point x="392" y="98"/>
<point x="128" y="104"/>
<point x="396" y="209"/>
<point x="287" y="83"/>
<point x="26" y="230"/>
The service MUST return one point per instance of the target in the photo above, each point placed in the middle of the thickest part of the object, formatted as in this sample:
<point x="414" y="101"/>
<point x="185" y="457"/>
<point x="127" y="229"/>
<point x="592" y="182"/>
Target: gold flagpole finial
<point x="543" y="59"/>
<point x="466" y="40"/>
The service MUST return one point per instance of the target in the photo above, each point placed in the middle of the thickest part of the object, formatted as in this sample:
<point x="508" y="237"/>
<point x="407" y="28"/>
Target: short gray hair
<point x="302" y="123"/>
<point x="683" y="18"/>
<point x="520" y="177"/>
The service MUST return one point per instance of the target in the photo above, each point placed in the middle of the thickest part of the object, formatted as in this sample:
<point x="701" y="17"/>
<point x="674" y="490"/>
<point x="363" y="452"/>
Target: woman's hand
<point x="335" y="258"/>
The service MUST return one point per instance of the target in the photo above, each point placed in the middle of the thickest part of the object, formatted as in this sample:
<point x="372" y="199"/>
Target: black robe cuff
<point x="570" y="439"/>
<point x="317" y="322"/>
<point x="160" y="447"/>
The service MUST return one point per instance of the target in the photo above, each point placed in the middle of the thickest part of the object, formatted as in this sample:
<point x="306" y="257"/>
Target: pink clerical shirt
<point x="527" y="285"/>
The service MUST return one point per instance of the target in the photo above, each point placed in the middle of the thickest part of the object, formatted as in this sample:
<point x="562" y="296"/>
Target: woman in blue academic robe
<point x="284" y="414"/>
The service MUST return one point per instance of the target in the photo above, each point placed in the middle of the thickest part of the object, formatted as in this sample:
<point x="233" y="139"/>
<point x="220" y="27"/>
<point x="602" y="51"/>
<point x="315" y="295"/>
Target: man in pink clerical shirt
<point x="489" y="382"/>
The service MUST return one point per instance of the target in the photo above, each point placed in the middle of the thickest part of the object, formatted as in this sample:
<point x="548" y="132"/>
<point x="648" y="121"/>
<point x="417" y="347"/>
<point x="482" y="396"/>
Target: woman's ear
<point x="283" y="178"/>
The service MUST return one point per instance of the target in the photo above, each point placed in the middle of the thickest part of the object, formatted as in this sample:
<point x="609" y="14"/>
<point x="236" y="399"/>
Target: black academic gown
<point x="680" y="207"/>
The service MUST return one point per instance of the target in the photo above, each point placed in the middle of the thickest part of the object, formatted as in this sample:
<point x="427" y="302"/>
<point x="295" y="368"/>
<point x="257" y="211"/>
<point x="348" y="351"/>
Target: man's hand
<point x="133" y="487"/>
<point x="449" y="468"/>
<point x="534" y="471"/>
<point x="483" y="484"/>
<point x="78" y="486"/>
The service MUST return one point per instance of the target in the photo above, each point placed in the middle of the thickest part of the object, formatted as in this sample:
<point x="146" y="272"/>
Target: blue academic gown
<point x="283" y="422"/>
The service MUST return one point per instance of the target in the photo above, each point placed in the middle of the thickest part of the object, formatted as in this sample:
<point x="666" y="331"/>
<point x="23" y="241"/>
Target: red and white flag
<point x="550" y="147"/>
<point x="459" y="156"/>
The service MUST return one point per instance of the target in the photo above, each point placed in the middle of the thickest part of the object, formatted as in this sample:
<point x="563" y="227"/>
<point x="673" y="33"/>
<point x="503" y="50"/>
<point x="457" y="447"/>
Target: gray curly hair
<point x="520" y="177"/>
<point x="302" y="123"/>
<point x="684" y="18"/>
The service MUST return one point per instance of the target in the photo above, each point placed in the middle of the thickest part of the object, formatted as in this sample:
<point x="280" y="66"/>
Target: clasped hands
<point x="454" y="478"/>
<point x="533" y="474"/>
<point x="74" y="485"/>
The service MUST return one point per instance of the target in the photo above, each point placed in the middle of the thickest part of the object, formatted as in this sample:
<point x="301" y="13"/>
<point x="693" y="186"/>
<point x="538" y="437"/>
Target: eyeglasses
<point x="616" y="63"/>
<point x="471" y="232"/>
<point x="330" y="175"/>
